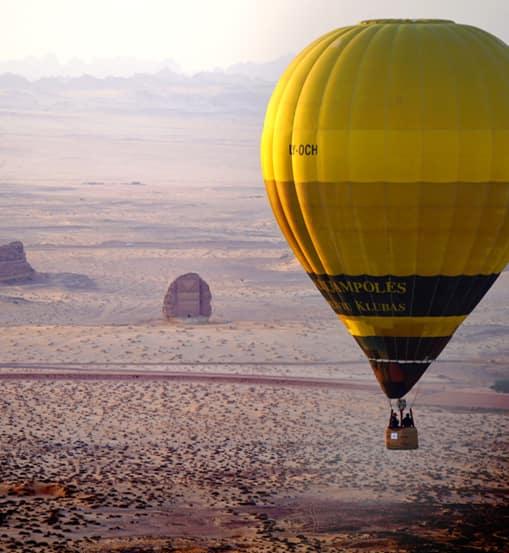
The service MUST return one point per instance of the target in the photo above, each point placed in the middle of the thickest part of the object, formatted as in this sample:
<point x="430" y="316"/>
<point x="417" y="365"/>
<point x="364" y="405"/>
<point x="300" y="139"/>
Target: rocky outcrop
<point x="188" y="297"/>
<point x="13" y="263"/>
<point x="31" y="488"/>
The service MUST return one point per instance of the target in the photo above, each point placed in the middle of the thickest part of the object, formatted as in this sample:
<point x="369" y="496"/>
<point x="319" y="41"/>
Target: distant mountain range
<point x="34" y="68"/>
<point x="243" y="87"/>
<point x="270" y="71"/>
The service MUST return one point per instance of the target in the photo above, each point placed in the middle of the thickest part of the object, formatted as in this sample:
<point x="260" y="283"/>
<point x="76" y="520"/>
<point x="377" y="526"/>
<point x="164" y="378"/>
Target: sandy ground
<point x="254" y="467"/>
<point x="111" y="208"/>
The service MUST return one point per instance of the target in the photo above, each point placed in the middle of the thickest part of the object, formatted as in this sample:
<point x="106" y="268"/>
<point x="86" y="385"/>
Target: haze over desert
<point x="256" y="466"/>
<point x="257" y="429"/>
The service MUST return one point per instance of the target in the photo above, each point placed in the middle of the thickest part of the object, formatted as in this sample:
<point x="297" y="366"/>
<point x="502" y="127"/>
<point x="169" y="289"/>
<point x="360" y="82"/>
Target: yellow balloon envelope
<point x="385" y="155"/>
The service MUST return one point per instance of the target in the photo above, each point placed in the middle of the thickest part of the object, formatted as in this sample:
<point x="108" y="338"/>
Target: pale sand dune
<point x="252" y="347"/>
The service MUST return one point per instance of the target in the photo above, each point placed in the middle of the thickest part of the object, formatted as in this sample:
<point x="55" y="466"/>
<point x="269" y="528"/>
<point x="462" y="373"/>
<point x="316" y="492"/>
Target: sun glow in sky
<point x="202" y="34"/>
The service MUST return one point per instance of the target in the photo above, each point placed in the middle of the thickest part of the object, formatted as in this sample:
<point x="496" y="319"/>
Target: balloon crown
<point x="399" y="21"/>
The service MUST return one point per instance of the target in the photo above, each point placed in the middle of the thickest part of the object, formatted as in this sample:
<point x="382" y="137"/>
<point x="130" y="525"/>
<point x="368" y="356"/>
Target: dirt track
<point x="431" y="394"/>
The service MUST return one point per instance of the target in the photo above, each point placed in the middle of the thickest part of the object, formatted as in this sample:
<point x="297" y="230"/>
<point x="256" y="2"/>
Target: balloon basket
<point x="401" y="438"/>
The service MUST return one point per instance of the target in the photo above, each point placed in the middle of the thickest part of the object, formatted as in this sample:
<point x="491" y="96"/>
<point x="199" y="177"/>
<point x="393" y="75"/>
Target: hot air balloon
<point x="385" y="156"/>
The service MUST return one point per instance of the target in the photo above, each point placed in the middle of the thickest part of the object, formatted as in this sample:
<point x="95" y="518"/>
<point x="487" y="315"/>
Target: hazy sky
<point x="200" y="34"/>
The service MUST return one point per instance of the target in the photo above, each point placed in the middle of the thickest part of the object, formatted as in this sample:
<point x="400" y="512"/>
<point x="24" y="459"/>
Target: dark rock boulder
<point x="188" y="297"/>
<point x="14" y="266"/>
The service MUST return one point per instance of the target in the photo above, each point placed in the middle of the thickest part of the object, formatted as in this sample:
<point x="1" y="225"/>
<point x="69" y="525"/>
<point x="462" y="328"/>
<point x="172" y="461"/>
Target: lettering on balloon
<point x="303" y="149"/>
<point x="374" y="308"/>
<point x="392" y="295"/>
<point x="370" y="287"/>
<point x="365" y="295"/>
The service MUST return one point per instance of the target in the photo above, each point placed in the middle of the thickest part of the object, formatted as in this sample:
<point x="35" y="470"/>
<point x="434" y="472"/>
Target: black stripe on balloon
<point x="398" y="374"/>
<point x="397" y="379"/>
<point x="409" y="296"/>
<point x="391" y="347"/>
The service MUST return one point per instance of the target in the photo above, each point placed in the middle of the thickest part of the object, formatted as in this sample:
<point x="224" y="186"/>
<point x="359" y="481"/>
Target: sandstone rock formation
<point x="13" y="263"/>
<point x="188" y="297"/>
<point x="31" y="488"/>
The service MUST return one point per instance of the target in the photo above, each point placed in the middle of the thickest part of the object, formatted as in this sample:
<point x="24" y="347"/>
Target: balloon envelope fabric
<point x="385" y="155"/>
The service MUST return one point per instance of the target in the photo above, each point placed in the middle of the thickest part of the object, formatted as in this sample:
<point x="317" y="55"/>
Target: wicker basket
<point x="401" y="438"/>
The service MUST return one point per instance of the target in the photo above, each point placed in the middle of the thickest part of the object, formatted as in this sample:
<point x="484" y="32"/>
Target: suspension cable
<point x="417" y="390"/>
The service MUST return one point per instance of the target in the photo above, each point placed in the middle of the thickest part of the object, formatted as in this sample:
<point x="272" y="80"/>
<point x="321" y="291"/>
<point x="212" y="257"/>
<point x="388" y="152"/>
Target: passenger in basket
<point x="394" y="422"/>
<point x="407" y="421"/>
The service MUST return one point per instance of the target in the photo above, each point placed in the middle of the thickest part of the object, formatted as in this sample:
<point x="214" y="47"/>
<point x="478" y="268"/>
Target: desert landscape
<point x="261" y="430"/>
<point x="141" y="465"/>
